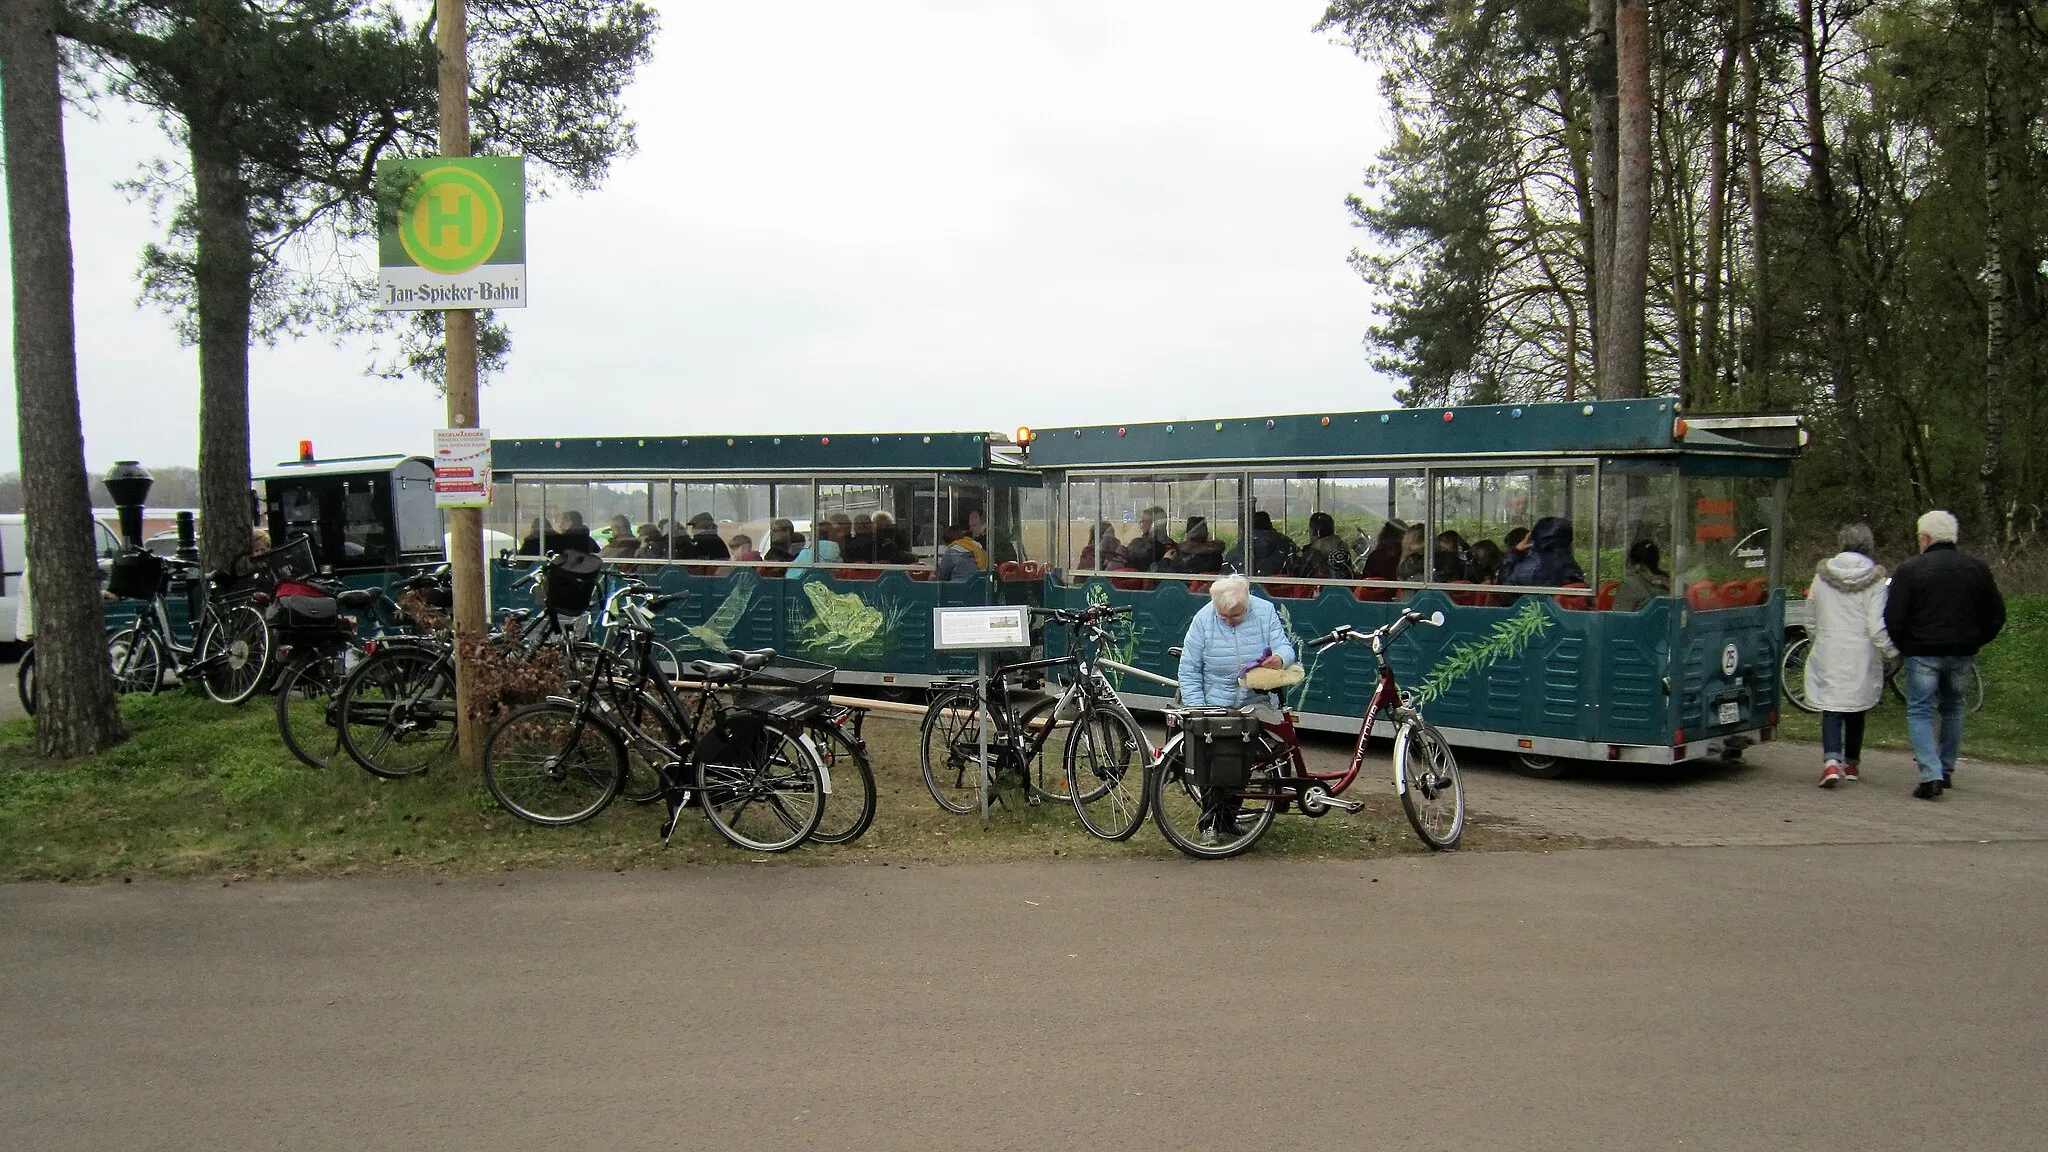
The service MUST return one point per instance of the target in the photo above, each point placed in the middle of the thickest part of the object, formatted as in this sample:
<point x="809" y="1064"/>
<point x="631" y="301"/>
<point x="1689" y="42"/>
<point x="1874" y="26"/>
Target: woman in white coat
<point x="1845" y="666"/>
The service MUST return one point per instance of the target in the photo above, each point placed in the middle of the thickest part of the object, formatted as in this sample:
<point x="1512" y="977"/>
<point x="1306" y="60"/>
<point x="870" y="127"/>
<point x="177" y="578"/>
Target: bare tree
<point x="78" y="715"/>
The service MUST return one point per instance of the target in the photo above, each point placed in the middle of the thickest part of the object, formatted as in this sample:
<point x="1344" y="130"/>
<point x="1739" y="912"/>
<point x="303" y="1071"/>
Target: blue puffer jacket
<point x="1214" y="652"/>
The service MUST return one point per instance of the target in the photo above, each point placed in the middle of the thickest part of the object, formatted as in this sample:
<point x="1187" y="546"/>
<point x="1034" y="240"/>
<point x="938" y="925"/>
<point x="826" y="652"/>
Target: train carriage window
<point x="1186" y="523"/>
<point x="365" y="526"/>
<point x="1636" y="508"/>
<point x="1727" y="555"/>
<point x="872" y="521"/>
<point x="502" y="520"/>
<point x="1538" y="521"/>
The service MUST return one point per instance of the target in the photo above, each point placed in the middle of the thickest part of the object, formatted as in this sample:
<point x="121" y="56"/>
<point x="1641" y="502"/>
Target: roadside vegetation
<point x="202" y="790"/>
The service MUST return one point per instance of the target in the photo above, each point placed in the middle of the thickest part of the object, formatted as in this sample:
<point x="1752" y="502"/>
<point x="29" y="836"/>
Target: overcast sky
<point x="891" y="215"/>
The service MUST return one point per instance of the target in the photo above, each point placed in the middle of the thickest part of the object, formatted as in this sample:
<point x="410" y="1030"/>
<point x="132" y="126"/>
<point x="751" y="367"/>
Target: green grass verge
<point x="201" y="790"/>
<point x="2013" y="727"/>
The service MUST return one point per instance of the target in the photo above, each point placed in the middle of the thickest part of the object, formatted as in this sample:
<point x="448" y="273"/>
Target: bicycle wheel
<point x="760" y="784"/>
<point x="1426" y="775"/>
<point x="25" y="680"/>
<point x="643" y="722"/>
<point x="137" y="661"/>
<point x="1105" y="769"/>
<point x="308" y="700"/>
<point x="551" y="763"/>
<point x="850" y="804"/>
<point x="236" y="649"/>
<point x="949" y="750"/>
<point x="1973" y="692"/>
<point x="397" y="711"/>
<point x="1185" y="814"/>
<point x="1792" y="673"/>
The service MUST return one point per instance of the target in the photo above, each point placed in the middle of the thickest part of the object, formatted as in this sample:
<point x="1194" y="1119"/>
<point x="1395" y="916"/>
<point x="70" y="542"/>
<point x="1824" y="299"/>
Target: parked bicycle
<point x="1103" y="754"/>
<point x="747" y="758"/>
<point x="230" y="649"/>
<point x="1210" y="819"/>
<point x="1792" y="669"/>
<point x="318" y="646"/>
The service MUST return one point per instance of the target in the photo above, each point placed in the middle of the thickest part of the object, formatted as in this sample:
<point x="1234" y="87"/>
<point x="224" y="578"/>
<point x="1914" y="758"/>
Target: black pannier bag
<point x="300" y="617"/>
<point x="569" y="582"/>
<point x="1220" y="745"/>
<point x="136" y="576"/>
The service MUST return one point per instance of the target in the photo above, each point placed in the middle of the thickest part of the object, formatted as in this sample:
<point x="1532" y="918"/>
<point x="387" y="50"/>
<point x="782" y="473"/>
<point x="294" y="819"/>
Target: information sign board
<point x="980" y="629"/>
<point x="462" y="468"/>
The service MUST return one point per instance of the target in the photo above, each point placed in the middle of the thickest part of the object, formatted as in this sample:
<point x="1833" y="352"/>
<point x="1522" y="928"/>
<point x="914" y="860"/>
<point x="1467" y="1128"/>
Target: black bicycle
<point x="748" y="759"/>
<point x="230" y="650"/>
<point x="318" y="645"/>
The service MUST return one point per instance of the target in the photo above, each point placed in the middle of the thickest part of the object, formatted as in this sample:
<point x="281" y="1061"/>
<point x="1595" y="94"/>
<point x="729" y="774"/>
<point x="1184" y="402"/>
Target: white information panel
<point x="980" y="629"/>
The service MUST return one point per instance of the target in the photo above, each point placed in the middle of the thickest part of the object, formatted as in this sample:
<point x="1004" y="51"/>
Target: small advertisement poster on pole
<point x="451" y="233"/>
<point x="462" y="468"/>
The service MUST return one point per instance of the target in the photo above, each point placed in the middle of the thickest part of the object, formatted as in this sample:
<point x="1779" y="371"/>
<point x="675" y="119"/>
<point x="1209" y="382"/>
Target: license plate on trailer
<point x="1731" y="713"/>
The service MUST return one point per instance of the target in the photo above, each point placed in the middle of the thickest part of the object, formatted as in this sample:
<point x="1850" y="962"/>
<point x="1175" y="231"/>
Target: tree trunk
<point x="1574" y="135"/>
<point x="1674" y="163"/>
<point x="1998" y="271"/>
<point x="1757" y="382"/>
<point x="1605" y="118"/>
<point x="1833" y="275"/>
<point x="1707" y="368"/>
<point x="224" y="269"/>
<point x="77" y="715"/>
<point x="1621" y="370"/>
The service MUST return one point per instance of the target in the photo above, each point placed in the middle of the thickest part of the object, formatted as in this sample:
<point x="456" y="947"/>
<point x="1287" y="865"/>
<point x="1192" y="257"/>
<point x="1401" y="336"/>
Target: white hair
<point x="1230" y="593"/>
<point x="1938" y="527"/>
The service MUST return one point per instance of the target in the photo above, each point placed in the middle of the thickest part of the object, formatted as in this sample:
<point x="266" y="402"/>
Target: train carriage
<point x="869" y="611"/>
<point x="1557" y="656"/>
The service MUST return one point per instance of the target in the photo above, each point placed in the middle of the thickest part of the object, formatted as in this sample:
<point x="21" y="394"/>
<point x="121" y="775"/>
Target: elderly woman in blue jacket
<point x="1234" y="634"/>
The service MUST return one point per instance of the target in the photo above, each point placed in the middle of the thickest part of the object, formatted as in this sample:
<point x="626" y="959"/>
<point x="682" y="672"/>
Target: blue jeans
<point x="1936" y="682"/>
<point x="1841" y="736"/>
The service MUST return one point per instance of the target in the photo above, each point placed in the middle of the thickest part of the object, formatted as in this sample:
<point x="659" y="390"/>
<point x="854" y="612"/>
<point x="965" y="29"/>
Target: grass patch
<point x="201" y="790"/>
<point x="2013" y="727"/>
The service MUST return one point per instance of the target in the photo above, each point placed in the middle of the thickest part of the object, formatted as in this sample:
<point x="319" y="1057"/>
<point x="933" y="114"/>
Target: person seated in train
<point x="702" y="542"/>
<point x="1105" y="551"/>
<point x="652" y="543"/>
<point x="1324" y="557"/>
<point x="860" y="547"/>
<point x="532" y="544"/>
<point x="956" y="559"/>
<point x="783" y="544"/>
<point x="620" y="543"/>
<point x="1644" y="578"/>
<point x="1453" y="560"/>
<point x="1413" y="564"/>
<point x="890" y="545"/>
<point x="1272" y="551"/>
<point x="977" y="539"/>
<point x="1552" y="563"/>
<point x="1199" y="555"/>
<point x="572" y="535"/>
<point x="742" y="546"/>
<point x="825" y="549"/>
<point x="1483" y="563"/>
<point x="1384" y="560"/>
<point x="1519" y="561"/>
<point x="1152" y="550"/>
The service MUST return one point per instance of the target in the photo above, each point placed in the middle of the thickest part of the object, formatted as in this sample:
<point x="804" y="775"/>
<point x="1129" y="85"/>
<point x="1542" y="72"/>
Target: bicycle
<point x="316" y="666"/>
<point x="758" y="779"/>
<point x="230" y="651"/>
<point x="1792" y="674"/>
<point x="1101" y="771"/>
<point x="396" y="711"/>
<point x="1425" y="770"/>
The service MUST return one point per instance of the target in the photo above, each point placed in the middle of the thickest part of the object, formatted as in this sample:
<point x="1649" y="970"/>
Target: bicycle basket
<point x="1220" y="746"/>
<point x="293" y="561"/>
<point x="788" y="677"/>
<point x="136" y="575"/>
<point x="570" y="581"/>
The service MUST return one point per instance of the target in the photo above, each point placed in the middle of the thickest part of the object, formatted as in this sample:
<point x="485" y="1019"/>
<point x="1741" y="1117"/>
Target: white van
<point x="17" y="621"/>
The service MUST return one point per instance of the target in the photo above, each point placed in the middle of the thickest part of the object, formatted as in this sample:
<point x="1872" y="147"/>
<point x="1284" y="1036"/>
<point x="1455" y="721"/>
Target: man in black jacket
<point x="1942" y="607"/>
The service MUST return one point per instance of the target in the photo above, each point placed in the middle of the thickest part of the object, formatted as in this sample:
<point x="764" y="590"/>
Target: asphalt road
<point x="1849" y="997"/>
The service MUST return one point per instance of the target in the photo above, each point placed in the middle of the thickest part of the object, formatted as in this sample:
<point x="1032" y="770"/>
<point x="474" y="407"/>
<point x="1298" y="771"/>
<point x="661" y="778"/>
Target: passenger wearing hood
<point x="1549" y="563"/>
<point x="1845" y="664"/>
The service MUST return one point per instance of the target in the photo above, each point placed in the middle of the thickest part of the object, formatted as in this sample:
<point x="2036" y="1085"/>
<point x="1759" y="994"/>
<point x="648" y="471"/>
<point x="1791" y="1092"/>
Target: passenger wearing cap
<point x="703" y="543"/>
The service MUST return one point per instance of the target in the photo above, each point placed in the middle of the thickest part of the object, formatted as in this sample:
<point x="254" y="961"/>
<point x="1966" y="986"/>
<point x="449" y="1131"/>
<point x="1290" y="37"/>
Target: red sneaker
<point x="1849" y="772"/>
<point x="1831" y="775"/>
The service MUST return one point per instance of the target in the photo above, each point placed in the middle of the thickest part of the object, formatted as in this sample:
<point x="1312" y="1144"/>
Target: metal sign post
<point x="981" y="630"/>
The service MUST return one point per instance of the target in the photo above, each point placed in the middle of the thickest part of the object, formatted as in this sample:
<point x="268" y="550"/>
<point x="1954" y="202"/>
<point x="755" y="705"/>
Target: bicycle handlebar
<point x="1408" y="619"/>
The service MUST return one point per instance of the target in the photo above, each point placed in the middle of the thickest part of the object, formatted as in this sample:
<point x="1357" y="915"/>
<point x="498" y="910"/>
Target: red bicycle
<point x="1212" y="823"/>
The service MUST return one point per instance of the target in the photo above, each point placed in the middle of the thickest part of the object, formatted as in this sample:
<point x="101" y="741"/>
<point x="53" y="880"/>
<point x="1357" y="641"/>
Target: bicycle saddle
<point x="717" y="673"/>
<point x="1174" y="652"/>
<point x="359" y="598"/>
<point x="751" y="661"/>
